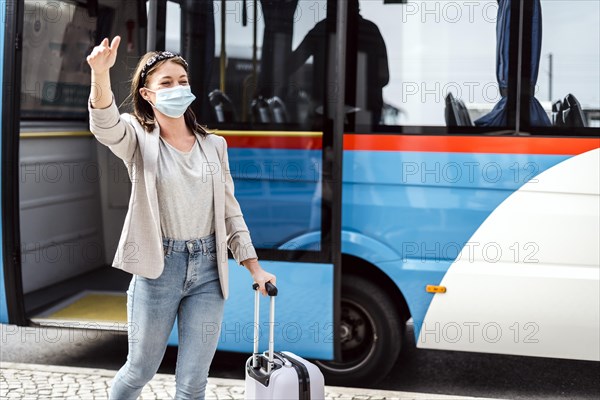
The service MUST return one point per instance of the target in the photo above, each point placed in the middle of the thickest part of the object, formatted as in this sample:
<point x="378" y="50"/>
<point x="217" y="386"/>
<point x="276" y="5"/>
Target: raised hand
<point x="103" y="56"/>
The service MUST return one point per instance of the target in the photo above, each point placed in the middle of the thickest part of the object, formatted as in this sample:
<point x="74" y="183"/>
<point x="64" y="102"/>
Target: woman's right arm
<point x="105" y="121"/>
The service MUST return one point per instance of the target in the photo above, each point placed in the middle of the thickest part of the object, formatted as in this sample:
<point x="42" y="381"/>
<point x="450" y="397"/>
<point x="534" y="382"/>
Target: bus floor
<point x="94" y="300"/>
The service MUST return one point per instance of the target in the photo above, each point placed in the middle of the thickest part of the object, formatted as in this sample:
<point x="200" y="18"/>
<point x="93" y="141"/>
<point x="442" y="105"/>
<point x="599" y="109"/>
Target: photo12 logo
<point x="490" y="252"/>
<point x="478" y="332"/>
<point x="468" y="172"/>
<point x="451" y="12"/>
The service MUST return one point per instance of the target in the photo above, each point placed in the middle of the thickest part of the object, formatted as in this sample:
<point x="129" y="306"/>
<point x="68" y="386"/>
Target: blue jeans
<point x="188" y="288"/>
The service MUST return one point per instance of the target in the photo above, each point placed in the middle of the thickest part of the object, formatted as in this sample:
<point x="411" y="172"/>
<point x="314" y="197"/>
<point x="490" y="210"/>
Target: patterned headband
<point x="163" y="55"/>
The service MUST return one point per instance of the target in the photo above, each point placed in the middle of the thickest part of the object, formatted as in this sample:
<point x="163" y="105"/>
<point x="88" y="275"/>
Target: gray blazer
<point x="140" y="248"/>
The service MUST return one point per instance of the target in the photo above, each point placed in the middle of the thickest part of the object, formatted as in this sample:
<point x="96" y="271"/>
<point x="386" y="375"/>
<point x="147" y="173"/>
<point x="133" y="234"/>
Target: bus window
<point x="57" y="36"/>
<point x="173" y="27"/>
<point x="406" y="59"/>
<point x="270" y="118"/>
<point x="568" y="84"/>
<point x="266" y="90"/>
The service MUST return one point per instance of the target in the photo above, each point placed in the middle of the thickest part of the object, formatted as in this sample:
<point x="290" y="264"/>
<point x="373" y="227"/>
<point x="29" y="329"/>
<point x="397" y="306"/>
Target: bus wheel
<point x="370" y="335"/>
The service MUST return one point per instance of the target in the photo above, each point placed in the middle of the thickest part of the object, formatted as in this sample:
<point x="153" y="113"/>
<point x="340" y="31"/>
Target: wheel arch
<point x="356" y="266"/>
<point x="360" y="255"/>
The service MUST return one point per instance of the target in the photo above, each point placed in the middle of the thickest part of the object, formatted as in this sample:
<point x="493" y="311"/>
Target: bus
<point x="405" y="168"/>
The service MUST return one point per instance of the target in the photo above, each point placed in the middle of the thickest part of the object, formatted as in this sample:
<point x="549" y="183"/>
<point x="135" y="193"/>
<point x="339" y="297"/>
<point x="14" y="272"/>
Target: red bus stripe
<point x="276" y="142"/>
<point x="471" y="144"/>
<point x="442" y="143"/>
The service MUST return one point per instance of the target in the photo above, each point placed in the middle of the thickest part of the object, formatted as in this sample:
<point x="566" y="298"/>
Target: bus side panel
<point x="426" y="205"/>
<point x="3" y="305"/>
<point x="303" y="311"/>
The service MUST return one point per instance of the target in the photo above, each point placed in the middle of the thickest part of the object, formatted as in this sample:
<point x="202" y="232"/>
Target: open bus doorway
<point x="74" y="193"/>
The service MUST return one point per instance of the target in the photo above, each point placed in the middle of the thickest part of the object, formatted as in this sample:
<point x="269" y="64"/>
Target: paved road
<point x="43" y="382"/>
<point x="428" y="371"/>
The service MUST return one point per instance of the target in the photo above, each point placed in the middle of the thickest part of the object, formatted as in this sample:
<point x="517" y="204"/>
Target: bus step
<point x="88" y="309"/>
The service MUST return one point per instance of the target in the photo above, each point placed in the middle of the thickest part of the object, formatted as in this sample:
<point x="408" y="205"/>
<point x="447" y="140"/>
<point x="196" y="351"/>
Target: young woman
<point x="181" y="220"/>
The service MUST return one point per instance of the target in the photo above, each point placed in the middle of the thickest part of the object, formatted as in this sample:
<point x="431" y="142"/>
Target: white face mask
<point x="173" y="102"/>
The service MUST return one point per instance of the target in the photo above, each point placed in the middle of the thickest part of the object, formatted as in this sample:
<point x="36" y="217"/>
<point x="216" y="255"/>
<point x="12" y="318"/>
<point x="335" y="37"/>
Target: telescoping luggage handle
<point x="272" y="292"/>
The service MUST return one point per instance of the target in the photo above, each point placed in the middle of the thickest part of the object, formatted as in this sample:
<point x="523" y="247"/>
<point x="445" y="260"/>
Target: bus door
<point x="3" y="192"/>
<point x="267" y="102"/>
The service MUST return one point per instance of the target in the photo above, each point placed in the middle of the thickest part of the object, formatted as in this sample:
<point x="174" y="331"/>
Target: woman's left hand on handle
<point x="259" y="275"/>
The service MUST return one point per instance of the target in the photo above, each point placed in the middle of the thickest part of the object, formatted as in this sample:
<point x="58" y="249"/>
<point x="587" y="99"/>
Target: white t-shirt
<point x="185" y="192"/>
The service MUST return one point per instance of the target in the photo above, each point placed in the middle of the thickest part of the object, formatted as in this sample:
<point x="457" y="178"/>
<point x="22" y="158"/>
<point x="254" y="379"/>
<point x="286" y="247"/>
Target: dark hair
<point x="142" y="110"/>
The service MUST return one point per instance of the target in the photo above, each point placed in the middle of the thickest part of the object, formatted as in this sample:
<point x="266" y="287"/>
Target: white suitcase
<point x="281" y="375"/>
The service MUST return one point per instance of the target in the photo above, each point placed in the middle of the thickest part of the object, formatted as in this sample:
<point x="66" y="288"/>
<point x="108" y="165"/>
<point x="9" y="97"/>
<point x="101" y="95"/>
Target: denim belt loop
<point x="170" y="247"/>
<point x="204" y="247"/>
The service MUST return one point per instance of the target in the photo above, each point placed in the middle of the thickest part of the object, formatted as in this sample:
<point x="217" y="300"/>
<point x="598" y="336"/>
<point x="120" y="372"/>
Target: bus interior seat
<point x="304" y="109"/>
<point x="260" y="110"/>
<point x="222" y="107"/>
<point x="556" y="106"/>
<point x="456" y="113"/>
<point x="298" y="107"/>
<point x="464" y="114"/>
<point x="278" y="110"/>
<point x="568" y="112"/>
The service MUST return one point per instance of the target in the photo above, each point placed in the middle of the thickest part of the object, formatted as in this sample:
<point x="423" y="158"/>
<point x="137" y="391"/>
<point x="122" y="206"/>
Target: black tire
<point x="371" y="335"/>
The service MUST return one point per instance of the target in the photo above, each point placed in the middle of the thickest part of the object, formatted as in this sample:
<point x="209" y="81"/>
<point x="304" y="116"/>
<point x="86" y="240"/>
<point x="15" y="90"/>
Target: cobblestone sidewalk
<point x="37" y="382"/>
